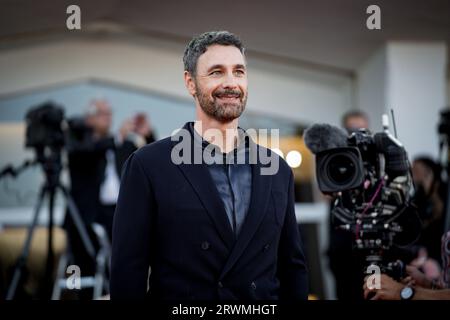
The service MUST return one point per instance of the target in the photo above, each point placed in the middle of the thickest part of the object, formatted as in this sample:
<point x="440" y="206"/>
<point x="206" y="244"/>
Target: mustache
<point x="237" y="93"/>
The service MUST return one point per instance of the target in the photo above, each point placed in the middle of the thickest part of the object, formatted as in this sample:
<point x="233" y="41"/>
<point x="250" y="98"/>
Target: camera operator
<point x="416" y="286"/>
<point x="370" y="179"/>
<point x="344" y="264"/>
<point x="355" y="120"/>
<point x="95" y="161"/>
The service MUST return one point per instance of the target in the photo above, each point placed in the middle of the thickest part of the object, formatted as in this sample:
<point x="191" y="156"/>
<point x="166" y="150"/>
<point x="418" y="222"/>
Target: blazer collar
<point x="200" y="179"/>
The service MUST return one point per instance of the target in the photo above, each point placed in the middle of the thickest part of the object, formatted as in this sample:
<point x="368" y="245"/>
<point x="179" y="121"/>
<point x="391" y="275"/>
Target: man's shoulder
<point x="283" y="167"/>
<point x="155" y="152"/>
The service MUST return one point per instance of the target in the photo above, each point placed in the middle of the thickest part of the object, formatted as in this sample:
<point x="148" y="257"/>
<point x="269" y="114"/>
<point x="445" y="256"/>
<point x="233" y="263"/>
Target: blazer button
<point x="220" y="284"/>
<point x="253" y="286"/>
<point x="266" y="247"/>
<point x="205" y="245"/>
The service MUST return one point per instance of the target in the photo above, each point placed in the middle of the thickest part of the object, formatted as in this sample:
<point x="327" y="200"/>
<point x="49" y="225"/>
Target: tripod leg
<point x="56" y="294"/>
<point x="48" y="281"/>
<point x="79" y="224"/>
<point x="99" y="275"/>
<point x="26" y="248"/>
<point x="101" y="278"/>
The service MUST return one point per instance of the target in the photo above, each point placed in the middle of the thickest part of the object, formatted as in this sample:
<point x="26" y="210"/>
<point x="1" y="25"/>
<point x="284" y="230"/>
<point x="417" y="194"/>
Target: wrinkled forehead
<point x="226" y="56"/>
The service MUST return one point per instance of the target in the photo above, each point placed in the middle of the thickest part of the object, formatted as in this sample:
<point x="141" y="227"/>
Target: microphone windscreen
<point x="320" y="137"/>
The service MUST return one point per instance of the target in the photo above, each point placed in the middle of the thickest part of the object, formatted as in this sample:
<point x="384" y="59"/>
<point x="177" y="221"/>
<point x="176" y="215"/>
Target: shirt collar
<point x="242" y="148"/>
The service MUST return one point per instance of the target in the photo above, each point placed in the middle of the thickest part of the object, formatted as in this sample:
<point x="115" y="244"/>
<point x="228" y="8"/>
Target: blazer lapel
<point x="261" y="188"/>
<point x="201" y="181"/>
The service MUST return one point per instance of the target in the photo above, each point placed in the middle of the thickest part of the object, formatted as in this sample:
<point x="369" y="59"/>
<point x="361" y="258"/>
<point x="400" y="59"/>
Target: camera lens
<point x="341" y="169"/>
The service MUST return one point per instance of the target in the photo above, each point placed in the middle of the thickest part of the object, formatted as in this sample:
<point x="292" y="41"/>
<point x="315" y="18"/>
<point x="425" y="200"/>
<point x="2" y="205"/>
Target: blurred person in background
<point x="355" y="120"/>
<point x="95" y="158"/>
<point x="429" y="198"/>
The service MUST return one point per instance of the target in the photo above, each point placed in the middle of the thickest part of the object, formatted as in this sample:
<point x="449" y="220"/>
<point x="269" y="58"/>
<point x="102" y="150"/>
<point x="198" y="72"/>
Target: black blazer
<point x="171" y="218"/>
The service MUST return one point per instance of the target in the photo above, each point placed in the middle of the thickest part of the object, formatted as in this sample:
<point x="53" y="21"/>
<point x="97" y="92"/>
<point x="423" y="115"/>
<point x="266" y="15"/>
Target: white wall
<point x="371" y="88"/>
<point x="417" y="93"/>
<point x="410" y="78"/>
<point x="288" y="91"/>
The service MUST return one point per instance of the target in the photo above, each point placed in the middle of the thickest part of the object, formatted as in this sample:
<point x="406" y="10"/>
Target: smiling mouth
<point x="228" y="97"/>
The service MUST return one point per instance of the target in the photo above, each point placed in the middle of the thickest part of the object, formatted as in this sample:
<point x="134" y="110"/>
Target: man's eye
<point x="215" y="73"/>
<point x="239" y="72"/>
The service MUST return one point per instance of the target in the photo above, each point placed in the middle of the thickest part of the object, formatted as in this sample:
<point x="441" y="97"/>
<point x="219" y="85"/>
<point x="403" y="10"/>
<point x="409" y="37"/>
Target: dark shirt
<point x="232" y="175"/>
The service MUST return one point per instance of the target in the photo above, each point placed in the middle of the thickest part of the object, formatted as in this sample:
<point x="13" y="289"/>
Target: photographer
<point x="95" y="161"/>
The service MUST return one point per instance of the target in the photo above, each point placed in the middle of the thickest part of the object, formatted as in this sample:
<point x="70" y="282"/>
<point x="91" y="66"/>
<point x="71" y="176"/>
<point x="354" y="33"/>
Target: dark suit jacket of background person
<point x="171" y="217"/>
<point x="87" y="164"/>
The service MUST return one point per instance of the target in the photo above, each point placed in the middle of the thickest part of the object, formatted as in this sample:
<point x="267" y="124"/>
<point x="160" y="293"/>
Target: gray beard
<point x="223" y="112"/>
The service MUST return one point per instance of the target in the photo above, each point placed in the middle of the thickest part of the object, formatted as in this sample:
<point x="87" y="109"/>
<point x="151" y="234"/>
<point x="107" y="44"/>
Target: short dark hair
<point x="354" y="114"/>
<point x="199" y="44"/>
<point x="432" y="165"/>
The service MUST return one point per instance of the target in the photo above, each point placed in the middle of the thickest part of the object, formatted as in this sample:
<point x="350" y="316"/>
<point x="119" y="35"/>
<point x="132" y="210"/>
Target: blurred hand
<point x="126" y="129"/>
<point x="431" y="269"/>
<point x="417" y="277"/>
<point x="389" y="289"/>
<point x="422" y="256"/>
<point x="408" y="281"/>
<point x="142" y="125"/>
<point x="428" y="266"/>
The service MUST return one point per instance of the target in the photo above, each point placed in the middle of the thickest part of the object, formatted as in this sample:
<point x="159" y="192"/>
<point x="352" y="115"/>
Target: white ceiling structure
<point x="326" y="34"/>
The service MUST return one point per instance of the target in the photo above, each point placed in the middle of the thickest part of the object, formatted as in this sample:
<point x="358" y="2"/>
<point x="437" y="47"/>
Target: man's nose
<point x="230" y="81"/>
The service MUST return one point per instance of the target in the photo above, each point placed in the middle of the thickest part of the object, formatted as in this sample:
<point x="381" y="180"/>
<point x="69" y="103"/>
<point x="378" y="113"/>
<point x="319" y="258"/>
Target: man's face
<point x="355" y="123"/>
<point x="101" y="120"/>
<point x="220" y="85"/>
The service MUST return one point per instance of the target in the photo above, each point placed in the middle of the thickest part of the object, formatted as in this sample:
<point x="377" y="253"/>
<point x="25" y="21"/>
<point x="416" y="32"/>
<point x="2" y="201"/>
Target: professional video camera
<point x="46" y="127"/>
<point x="48" y="132"/>
<point x="369" y="176"/>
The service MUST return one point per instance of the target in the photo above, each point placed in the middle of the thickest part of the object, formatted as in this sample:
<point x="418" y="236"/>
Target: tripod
<point x="51" y="165"/>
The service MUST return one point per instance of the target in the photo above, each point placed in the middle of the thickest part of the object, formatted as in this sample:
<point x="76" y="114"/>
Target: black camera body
<point x="44" y="126"/>
<point x="47" y="127"/>
<point x="366" y="158"/>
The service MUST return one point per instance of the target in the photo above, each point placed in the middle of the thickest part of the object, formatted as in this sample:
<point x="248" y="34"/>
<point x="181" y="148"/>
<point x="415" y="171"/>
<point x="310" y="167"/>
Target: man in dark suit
<point x="208" y="227"/>
<point x="95" y="159"/>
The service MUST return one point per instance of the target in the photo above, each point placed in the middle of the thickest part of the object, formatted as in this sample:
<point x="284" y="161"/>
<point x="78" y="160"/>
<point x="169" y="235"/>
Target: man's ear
<point x="190" y="83"/>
